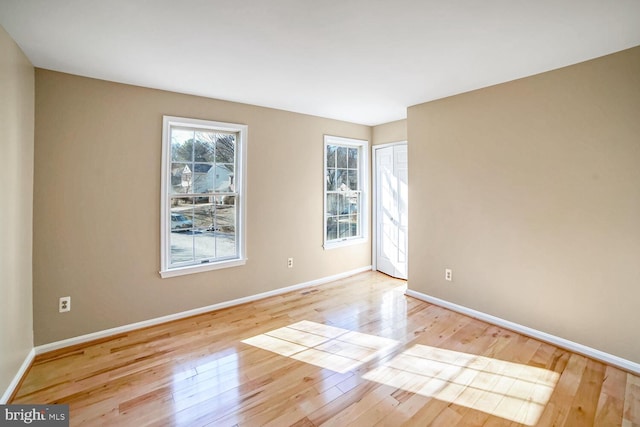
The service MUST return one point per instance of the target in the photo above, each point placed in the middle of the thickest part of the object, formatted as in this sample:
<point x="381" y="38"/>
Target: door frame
<point x="374" y="199"/>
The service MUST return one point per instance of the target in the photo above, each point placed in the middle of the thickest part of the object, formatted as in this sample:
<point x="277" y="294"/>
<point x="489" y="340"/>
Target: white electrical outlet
<point x="448" y="275"/>
<point x="64" y="304"/>
<point x="290" y="263"/>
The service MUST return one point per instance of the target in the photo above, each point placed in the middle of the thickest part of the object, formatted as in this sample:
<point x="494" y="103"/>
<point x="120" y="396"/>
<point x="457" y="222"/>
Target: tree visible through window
<point x="202" y="194"/>
<point x="345" y="190"/>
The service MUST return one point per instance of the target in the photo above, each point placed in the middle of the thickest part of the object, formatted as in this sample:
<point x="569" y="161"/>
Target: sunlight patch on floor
<point x="508" y="390"/>
<point x="329" y="347"/>
<point x="212" y="378"/>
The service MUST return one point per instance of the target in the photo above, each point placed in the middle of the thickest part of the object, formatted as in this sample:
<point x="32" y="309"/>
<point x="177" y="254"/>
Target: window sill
<point x="191" y="269"/>
<point x="343" y="243"/>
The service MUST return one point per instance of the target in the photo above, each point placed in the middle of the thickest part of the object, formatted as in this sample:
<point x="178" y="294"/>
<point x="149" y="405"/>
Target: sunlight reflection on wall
<point x="508" y="390"/>
<point x="321" y="345"/>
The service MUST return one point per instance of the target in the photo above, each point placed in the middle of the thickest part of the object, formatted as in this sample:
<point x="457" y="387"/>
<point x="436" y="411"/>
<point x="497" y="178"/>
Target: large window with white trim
<point x="345" y="191"/>
<point x="202" y="212"/>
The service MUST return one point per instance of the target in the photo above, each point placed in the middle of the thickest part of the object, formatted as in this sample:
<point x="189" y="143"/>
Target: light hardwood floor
<point x="356" y="352"/>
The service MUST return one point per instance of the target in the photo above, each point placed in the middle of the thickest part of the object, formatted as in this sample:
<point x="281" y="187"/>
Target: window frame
<point x="363" y="184"/>
<point x="168" y="122"/>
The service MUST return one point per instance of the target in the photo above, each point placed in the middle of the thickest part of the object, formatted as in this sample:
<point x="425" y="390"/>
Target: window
<point x="345" y="186"/>
<point x="202" y="215"/>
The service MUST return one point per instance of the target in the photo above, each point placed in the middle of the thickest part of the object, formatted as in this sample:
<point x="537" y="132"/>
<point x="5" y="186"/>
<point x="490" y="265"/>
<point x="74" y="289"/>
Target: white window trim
<point x="363" y="145"/>
<point x="240" y="182"/>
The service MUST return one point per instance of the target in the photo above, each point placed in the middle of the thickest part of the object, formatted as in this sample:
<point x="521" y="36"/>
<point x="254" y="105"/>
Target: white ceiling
<point x="363" y="61"/>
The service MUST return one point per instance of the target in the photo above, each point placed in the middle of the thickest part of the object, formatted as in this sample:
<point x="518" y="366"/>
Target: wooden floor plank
<point x="611" y="401"/>
<point x="402" y="361"/>
<point x="585" y="403"/>
<point x="631" y="414"/>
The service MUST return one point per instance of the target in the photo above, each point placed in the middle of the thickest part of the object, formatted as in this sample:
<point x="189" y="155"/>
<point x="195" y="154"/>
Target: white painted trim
<point x="343" y="243"/>
<point x="191" y="269"/>
<point x="16" y="379"/>
<point x="374" y="203"/>
<point x="158" y="320"/>
<point x="389" y="144"/>
<point x="607" y="358"/>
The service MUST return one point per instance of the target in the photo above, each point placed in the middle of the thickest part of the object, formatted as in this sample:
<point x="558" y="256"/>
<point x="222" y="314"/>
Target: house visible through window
<point x="202" y="195"/>
<point x="345" y="198"/>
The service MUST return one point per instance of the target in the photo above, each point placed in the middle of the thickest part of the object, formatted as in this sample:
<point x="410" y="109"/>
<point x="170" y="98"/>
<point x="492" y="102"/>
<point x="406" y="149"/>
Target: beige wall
<point x="16" y="178"/>
<point x="97" y="199"/>
<point x="389" y="132"/>
<point x="530" y="192"/>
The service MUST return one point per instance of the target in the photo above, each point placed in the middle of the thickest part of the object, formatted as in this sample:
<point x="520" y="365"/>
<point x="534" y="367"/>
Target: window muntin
<point x="202" y="195"/>
<point x="345" y="212"/>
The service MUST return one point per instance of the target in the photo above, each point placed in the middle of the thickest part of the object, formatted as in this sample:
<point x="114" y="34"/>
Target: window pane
<point x="181" y="178"/>
<point x="332" y="203"/>
<point x="181" y="230"/>
<point x="204" y="147"/>
<point x="225" y="212"/>
<point x="353" y="158"/>
<point x="182" y="204"/>
<point x="182" y="215"/>
<point x="331" y="156"/>
<point x="353" y="225"/>
<point x="203" y="214"/>
<point x="223" y="178"/>
<point x="181" y="247"/>
<point x="331" y="180"/>
<point x="202" y="178"/>
<point x="225" y="148"/>
<point x="226" y="244"/>
<point x="332" y="228"/>
<point x="353" y="180"/>
<point x="204" y="240"/>
<point x="343" y="227"/>
<point x="343" y="204"/>
<point x="342" y="179"/>
<point x="225" y="230"/>
<point x="181" y="145"/>
<point x="342" y="157"/>
<point x="205" y="245"/>
<point x="354" y="202"/>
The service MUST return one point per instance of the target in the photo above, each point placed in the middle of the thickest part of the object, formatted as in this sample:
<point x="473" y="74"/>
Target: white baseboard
<point x="607" y="358"/>
<point x="158" y="320"/>
<point x="16" y="379"/>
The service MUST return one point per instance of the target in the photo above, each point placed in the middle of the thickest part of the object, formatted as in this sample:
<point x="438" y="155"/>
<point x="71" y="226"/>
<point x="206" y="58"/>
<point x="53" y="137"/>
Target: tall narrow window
<point x="345" y="191"/>
<point x="202" y="215"/>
